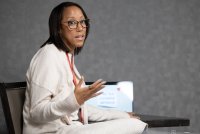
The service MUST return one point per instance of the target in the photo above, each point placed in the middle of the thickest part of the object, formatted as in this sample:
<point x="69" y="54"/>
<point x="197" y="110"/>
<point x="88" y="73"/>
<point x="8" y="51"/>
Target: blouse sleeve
<point x="44" y="78"/>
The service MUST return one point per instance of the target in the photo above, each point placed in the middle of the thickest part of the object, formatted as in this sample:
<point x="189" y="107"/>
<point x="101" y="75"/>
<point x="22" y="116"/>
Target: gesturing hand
<point x="83" y="94"/>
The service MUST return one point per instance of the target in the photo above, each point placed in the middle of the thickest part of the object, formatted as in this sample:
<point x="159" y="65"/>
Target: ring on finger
<point x="89" y="87"/>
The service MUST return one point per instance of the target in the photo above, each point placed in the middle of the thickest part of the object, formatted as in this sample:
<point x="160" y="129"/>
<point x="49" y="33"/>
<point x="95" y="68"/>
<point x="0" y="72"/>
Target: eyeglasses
<point x="73" y="24"/>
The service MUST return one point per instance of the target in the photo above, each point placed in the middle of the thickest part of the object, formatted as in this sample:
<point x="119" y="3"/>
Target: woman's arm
<point x="44" y="77"/>
<point x="45" y="110"/>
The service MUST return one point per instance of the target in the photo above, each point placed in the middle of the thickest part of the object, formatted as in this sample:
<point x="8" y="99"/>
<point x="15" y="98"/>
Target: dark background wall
<point x="153" y="43"/>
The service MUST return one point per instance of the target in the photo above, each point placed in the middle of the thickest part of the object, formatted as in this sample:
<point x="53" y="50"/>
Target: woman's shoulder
<point x="48" y="50"/>
<point x="47" y="53"/>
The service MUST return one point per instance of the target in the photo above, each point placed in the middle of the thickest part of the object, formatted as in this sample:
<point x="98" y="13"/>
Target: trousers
<point x="118" y="126"/>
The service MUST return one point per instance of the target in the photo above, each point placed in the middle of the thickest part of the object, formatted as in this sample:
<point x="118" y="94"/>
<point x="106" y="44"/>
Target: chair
<point x="12" y="97"/>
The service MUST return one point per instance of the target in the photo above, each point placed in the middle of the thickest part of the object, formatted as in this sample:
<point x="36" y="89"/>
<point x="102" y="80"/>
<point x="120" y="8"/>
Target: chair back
<point x="12" y="97"/>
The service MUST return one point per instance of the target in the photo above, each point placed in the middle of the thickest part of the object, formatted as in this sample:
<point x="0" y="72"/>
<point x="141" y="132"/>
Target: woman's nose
<point x="79" y="27"/>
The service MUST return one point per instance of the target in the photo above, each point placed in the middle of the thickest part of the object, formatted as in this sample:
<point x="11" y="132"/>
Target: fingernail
<point x="104" y="82"/>
<point x="103" y="86"/>
<point x="99" y="80"/>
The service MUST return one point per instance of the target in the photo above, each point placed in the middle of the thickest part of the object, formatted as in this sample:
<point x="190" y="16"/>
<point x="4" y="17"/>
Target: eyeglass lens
<point x="73" y="23"/>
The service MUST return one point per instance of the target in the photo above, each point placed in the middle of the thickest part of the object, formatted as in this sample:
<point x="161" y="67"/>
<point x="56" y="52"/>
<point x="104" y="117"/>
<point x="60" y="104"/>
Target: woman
<point x="56" y="92"/>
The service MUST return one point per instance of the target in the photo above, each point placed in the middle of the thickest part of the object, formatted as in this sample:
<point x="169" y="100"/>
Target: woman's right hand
<point x="83" y="94"/>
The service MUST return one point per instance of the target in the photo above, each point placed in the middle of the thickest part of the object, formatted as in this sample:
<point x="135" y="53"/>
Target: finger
<point x="95" y="95"/>
<point x="95" y="90"/>
<point x="100" y="84"/>
<point x="137" y="117"/>
<point x="90" y="87"/>
<point x="133" y="113"/>
<point x="80" y="82"/>
<point x="96" y="83"/>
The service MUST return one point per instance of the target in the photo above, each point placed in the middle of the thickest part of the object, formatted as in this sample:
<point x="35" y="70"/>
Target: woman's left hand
<point x="133" y="115"/>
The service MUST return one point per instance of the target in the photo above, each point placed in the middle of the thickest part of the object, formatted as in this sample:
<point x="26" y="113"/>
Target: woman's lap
<point x="119" y="126"/>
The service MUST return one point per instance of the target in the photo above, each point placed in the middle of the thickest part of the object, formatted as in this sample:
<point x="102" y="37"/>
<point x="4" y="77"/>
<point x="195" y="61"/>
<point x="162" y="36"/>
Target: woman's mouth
<point x="80" y="37"/>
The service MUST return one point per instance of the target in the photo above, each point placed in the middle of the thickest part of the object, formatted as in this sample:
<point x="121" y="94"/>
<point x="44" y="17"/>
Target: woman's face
<point x="73" y="33"/>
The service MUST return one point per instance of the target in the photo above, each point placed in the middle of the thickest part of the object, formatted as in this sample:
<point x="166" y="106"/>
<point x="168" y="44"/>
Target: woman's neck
<point x="71" y="50"/>
<point x="70" y="47"/>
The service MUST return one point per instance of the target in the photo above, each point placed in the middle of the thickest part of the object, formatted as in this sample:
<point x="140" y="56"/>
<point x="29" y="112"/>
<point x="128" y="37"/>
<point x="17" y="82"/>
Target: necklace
<point x="71" y="64"/>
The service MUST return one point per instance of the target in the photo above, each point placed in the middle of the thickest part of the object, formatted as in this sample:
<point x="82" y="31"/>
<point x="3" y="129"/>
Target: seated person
<point x="56" y="92"/>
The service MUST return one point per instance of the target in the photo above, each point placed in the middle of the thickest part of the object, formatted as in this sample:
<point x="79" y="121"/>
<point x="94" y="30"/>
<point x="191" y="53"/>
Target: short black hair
<point x="55" y="26"/>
